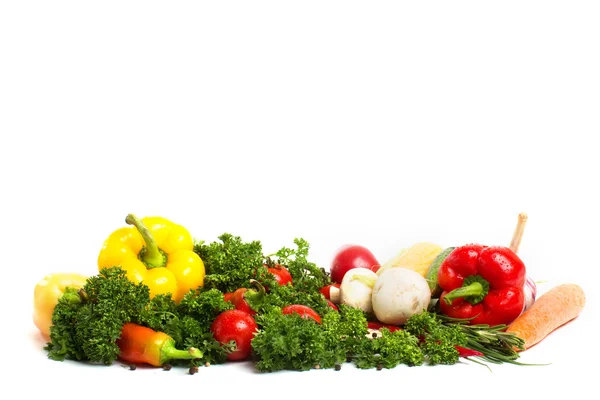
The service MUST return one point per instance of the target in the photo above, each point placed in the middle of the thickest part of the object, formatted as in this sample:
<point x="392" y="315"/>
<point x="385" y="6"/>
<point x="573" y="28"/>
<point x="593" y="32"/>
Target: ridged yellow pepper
<point x="156" y="252"/>
<point x="46" y="294"/>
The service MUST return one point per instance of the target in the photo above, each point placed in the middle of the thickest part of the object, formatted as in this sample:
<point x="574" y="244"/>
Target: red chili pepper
<point x="245" y="299"/>
<point x="465" y="352"/>
<point x="142" y="345"/>
<point x="483" y="284"/>
<point x="228" y="296"/>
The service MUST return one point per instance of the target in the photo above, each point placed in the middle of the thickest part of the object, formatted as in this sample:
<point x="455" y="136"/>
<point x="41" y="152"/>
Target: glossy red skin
<point x="466" y="352"/>
<point x="282" y="275"/>
<point x="504" y="271"/>
<point x="228" y="296"/>
<point x="235" y="325"/>
<point x="304" y="311"/>
<point x="330" y="304"/>
<point x="239" y="302"/>
<point x="349" y="257"/>
<point x="379" y="325"/>
<point x="326" y="290"/>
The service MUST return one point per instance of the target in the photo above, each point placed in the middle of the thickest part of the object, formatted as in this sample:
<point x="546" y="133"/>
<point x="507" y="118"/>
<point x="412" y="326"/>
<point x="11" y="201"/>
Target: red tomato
<point x="282" y="275"/>
<point x="349" y="257"/>
<point x="304" y="311"/>
<point x="238" y="326"/>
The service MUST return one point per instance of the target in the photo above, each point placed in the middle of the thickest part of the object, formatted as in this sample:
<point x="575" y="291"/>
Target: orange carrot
<point x="553" y="309"/>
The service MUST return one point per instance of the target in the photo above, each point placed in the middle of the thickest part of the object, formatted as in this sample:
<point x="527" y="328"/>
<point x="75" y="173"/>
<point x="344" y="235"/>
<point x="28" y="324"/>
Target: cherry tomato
<point x="304" y="311"/>
<point x="349" y="257"/>
<point x="238" y="326"/>
<point x="281" y="273"/>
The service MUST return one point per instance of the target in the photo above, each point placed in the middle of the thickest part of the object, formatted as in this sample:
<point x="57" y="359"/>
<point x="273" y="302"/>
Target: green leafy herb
<point x="389" y="350"/>
<point x="281" y="296"/>
<point x="287" y="342"/>
<point x="230" y="263"/>
<point x="437" y="340"/>
<point x="496" y="345"/>
<point x="307" y="276"/>
<point x="86" y="329"/>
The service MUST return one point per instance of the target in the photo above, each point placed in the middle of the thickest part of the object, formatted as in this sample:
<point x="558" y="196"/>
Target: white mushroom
<point x="356" y="288"/>
<point x="398" y="294"/>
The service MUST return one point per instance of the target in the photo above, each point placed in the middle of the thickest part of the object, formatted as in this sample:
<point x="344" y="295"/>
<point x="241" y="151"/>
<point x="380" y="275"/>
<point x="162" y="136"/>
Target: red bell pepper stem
<point x="474" y="289"/>
<point x="465" y="352"/>
<point x="142" y="345"/>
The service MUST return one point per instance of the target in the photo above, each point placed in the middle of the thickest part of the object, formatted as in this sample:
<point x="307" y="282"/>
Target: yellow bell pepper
<point x="46" y="294"/>
<point x="156" y="252"/>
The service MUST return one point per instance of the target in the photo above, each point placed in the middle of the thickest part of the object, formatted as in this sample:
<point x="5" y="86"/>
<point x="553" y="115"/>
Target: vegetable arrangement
<point x="161" y="299"/>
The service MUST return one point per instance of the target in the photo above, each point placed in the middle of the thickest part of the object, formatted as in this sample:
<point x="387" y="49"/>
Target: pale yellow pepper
<point x="46" y="294"/>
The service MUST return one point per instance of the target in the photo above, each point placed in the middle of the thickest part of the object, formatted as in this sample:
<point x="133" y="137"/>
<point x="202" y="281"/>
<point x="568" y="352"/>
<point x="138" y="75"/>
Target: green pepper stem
<point x="255" y="296"/>
<point x="475" y="289"/>
<point x="151" y="255"/>
<point x="169" y="352"/>
<point x="72" y="295"/>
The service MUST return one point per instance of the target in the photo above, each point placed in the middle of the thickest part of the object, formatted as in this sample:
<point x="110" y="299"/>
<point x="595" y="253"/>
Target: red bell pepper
<point x="483" y="284"/>
<point x="245" y="299"/>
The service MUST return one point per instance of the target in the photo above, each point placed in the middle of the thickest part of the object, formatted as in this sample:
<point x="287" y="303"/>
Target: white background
<point x="378" y="123"/>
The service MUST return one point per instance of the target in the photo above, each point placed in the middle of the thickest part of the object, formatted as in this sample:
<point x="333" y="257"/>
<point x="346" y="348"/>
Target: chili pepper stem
<point x="473" y="290"/>
<point x="169" y="352"/>
<point x="255" y="296"/>
<point x="151" y="254"/>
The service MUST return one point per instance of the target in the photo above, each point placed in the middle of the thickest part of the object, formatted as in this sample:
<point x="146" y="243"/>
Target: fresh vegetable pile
<point x="163" y="300"/>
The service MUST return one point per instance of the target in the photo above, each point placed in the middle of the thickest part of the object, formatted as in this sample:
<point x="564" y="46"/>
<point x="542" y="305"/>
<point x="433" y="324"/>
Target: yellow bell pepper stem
<point x="150" y="254"/>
